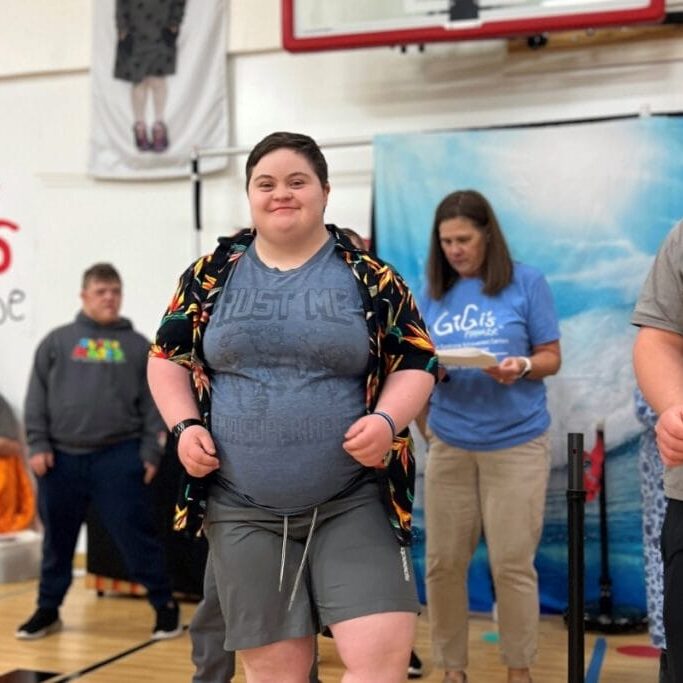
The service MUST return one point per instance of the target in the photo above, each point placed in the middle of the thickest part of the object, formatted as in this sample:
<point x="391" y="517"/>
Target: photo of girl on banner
<point x="145" y="54"/>
<point x="158" y="86"/>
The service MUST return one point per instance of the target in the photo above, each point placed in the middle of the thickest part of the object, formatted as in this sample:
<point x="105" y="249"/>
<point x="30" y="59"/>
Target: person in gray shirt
<point x="658" y="364"/>
<point x="94" y="436"/>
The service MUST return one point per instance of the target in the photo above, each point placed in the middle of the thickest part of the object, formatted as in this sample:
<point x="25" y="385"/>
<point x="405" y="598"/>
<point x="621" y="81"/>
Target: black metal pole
<point x="605" y="578"/>
<point x="197" y="201"/>
<point x="604" y="615"/>
<point x="197" y="194"/>
<point x="576" y="496"/>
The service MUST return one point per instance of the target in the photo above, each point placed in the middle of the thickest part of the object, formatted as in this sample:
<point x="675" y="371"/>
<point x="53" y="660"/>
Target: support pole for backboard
<point x="197" y="197"/>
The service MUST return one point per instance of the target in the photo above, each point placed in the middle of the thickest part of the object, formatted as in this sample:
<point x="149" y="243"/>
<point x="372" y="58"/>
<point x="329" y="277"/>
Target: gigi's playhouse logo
<point x="98" y="351"/>
<point x="472" y="323"/>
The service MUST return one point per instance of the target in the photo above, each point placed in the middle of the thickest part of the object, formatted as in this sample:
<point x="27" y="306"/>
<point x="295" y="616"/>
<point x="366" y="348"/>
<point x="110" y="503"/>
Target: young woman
<point x="308" y="359"/>
<point x="146" y="54"/>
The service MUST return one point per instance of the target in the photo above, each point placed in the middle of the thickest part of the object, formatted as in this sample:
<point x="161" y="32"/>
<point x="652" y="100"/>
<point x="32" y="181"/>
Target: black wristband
<point x="184" y="424"/>
<point x="389" y="419"/>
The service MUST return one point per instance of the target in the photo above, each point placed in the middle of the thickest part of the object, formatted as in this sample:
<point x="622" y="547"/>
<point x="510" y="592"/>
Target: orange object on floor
<point x="16" y="492"/>
<point x="106" y="584"/>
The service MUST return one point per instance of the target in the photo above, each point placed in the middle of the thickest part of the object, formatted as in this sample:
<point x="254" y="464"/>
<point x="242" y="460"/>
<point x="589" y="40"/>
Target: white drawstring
<point x="283" y="552"/>
<point x="303" y="559"/>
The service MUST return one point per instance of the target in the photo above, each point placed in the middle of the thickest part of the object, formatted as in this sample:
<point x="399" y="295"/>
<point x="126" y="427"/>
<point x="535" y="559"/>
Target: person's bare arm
<point x="170" y="387"/>
<point x="403" y="396"/>
<point x="658" y="364"/>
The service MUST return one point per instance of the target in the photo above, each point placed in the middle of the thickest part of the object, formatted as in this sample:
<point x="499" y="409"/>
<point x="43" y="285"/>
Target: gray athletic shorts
<point x="354" y="566"/>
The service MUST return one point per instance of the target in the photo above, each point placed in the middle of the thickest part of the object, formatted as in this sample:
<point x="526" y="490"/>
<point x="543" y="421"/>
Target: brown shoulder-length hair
<point x="496" y="271"/>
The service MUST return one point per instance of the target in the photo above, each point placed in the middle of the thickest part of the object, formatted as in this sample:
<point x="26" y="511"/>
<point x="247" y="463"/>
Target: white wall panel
<point x="44" y="35"/>
<point x="253" y="25"/>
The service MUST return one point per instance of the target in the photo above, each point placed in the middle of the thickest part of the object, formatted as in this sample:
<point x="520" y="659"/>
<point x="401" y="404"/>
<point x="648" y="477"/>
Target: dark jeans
<point x="112" y="479"/>
<point x="672" y="555"/>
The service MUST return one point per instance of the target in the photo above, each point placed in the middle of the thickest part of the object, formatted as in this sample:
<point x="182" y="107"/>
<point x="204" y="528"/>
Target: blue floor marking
<point x="593" y="672"/>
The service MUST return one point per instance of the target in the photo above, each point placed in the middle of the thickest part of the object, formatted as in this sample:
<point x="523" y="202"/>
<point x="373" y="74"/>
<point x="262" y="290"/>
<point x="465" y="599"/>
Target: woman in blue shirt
<point x="489" y="455"/>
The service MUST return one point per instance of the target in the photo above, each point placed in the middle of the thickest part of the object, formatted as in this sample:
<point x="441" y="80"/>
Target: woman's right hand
<point x="197" y="451"/>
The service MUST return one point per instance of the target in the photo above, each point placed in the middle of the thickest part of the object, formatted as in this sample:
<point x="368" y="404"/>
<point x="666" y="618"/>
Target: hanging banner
<point x="588" y="204"/>
<point x="158" y="87"/>
<point x="18" y="196"/>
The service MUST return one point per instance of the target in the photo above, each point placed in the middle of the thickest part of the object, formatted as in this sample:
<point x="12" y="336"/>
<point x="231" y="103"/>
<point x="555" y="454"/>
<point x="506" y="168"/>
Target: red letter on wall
<point x="5" y="251"/>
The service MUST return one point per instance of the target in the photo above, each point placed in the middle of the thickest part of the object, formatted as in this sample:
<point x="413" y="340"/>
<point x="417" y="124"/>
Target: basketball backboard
<point x="342" y="24"/>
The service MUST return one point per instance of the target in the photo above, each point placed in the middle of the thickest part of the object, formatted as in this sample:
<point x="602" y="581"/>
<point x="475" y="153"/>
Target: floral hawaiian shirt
<point x="398" y="340"/>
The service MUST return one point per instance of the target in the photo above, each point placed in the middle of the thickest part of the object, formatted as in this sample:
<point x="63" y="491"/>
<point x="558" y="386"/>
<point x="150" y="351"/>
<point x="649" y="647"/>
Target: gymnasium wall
<point x="146" y="228"/>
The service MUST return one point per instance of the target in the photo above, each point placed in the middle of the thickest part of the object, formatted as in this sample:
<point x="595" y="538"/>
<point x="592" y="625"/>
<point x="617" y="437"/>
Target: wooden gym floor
<point x="106" y="640"/>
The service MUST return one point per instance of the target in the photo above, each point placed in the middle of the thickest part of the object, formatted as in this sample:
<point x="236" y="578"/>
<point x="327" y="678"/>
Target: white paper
<point x="467" y="357"/>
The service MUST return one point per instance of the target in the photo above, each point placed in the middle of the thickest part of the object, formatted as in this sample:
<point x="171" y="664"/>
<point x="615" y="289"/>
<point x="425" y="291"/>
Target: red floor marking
<point x="638" y="650"/>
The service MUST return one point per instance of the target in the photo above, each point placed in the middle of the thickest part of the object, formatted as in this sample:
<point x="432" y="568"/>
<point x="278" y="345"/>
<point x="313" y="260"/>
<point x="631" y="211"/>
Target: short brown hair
<point x="101" y="271"/>
<point x="496" y="271"/>
<point x="297" y="142"/>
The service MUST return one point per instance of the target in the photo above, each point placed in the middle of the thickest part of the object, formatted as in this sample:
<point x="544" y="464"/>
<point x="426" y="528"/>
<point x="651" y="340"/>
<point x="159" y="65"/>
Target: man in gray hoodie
<point x="94" y="436"/>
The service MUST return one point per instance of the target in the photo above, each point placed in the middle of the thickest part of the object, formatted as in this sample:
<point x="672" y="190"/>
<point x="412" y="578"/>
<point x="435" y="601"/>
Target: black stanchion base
<point x="620" y="619"/>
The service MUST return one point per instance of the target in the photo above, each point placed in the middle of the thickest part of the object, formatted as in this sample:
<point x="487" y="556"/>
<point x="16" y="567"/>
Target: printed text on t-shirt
<point x="472" y="322"/>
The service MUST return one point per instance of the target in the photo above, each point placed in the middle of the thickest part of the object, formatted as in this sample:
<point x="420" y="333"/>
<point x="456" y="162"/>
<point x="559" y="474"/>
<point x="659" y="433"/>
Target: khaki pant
<point x="503" y="491"/>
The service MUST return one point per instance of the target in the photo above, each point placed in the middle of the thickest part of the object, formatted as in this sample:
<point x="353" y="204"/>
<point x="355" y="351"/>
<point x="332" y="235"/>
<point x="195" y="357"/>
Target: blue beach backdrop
<point x="588" y="204"/>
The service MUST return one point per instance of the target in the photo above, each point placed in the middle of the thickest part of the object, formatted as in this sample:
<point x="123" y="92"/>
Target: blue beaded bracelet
<point x="389" y="419"/>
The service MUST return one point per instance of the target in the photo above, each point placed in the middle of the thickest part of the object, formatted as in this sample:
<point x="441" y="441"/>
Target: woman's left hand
<point x="368" y="440"/>
<point x="508" y="371"/>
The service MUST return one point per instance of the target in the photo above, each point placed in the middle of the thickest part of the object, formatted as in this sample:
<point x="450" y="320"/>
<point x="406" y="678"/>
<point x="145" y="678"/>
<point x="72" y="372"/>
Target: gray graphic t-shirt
<point x="288" y="351"/>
